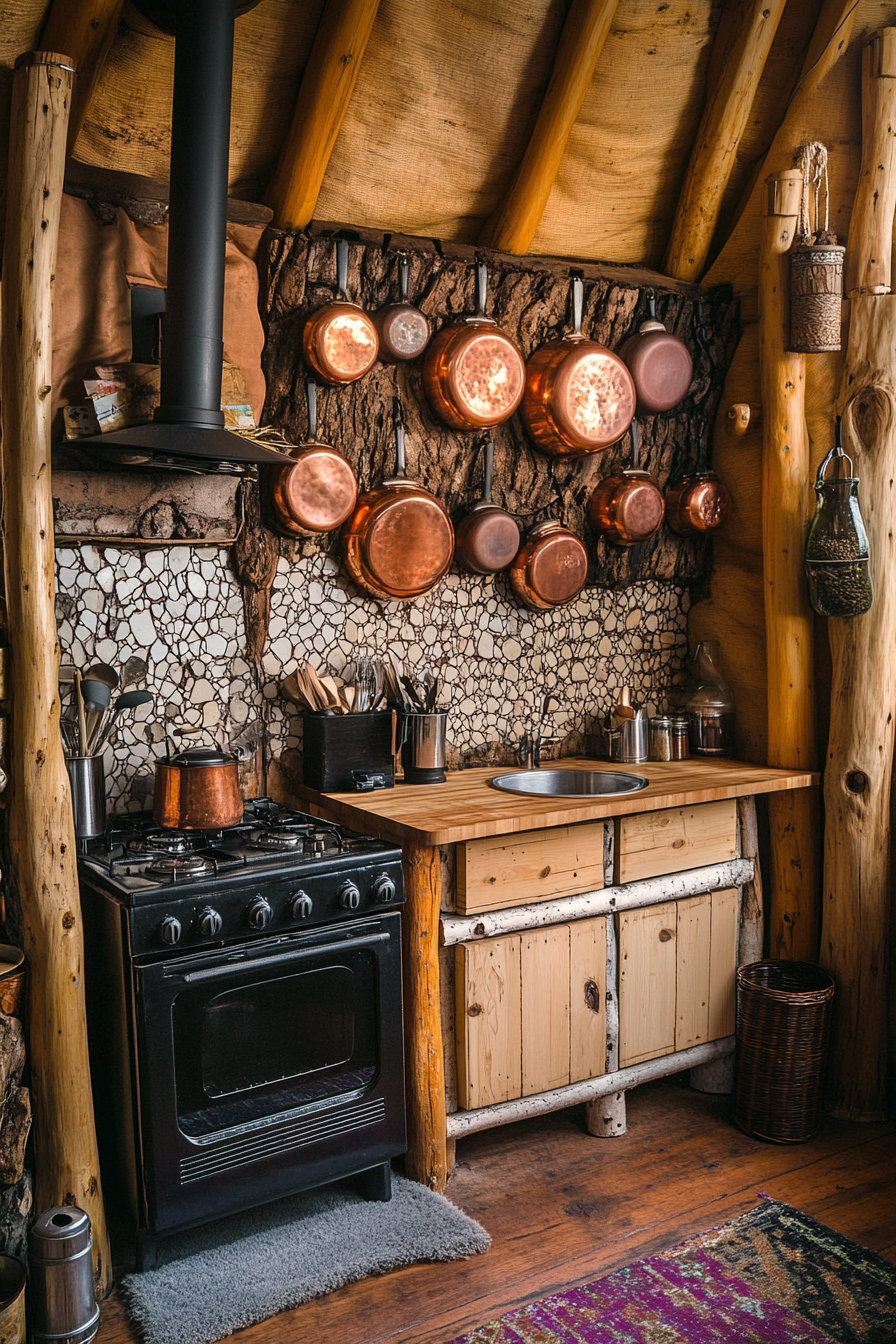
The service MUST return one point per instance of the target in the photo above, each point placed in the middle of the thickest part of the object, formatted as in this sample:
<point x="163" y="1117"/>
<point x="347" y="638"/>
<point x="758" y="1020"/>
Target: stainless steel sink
<point x="570" y="783"/>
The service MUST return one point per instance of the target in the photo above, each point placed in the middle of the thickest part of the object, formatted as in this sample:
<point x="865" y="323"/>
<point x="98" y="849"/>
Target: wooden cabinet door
<point x="647" y="973"/>
<point x="723" y="963"/>
<point x="545" y="1009"/>
<point x="487" y="991"/>
<point x="694" y="917"/>
<point x="650" y="844"/>
<point x="587" y="999"/>
<point x="507" y="870"/>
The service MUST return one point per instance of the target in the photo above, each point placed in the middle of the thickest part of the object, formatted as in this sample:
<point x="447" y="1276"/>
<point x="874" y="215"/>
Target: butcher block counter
<point x="642" y="889"/>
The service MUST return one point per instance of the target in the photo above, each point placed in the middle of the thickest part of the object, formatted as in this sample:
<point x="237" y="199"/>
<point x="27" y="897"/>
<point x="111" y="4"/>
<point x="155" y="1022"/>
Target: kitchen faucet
<point x="533" y="740"/>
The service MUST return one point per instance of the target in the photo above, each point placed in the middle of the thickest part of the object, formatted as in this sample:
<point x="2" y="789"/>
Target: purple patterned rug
<point x="772" y="1276"/>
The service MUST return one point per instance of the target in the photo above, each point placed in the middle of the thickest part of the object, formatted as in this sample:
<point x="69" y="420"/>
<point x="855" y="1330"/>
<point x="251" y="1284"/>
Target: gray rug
<point x="241" y="1270"/>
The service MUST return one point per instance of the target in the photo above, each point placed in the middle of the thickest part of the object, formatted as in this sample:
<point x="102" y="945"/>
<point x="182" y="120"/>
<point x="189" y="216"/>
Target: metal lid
<point x="61" y="1233"/>
<point x="203" y="756"/>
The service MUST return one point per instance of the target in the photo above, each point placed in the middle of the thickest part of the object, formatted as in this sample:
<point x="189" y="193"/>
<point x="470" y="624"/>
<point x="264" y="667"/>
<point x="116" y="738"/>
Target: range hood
<point x="187" y="432"/>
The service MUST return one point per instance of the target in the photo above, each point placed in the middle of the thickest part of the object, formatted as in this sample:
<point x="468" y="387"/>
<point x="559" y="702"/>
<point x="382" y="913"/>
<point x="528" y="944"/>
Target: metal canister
<point x="63" y="1307"/>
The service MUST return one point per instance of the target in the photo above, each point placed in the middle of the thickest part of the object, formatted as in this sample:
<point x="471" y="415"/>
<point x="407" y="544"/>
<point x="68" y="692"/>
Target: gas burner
<point x="280" y="841"/>
<point x="314" y="845"/>
<point x="176" y="867"/>
<point x="166" y="842"/>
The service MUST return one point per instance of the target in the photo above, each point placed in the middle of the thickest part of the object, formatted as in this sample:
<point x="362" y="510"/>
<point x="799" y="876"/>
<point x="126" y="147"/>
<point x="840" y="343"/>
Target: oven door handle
<point x="278" y="959"/>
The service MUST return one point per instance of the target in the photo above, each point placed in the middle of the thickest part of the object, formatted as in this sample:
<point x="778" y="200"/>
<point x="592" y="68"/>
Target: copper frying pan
<point x="579" y="396"/>
<point x="340" y="341"/>
<point x="403" y="329"/>
<point x="319" y="490"/>
<point x="551" y="567"/>
<point x="659" y="363"/>
<point x="700" y="502"/>
<point x="399" y="541"/>
<point x="627" y="506"/>
<point x="488" y="538"/>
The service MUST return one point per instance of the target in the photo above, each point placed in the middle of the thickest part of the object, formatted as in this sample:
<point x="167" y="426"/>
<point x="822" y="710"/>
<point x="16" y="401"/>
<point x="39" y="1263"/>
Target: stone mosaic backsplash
<point x="172" y="618"/>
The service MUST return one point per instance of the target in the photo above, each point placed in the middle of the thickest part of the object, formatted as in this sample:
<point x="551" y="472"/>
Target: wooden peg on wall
<point x="741" y="418"/>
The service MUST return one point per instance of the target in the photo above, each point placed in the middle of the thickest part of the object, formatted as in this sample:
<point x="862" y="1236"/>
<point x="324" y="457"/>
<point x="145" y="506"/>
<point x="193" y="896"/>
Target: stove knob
<point x="349" y="896"/>
<point x="209" y="922"/>
<point x="259" y="913"/>
<point x="170" y="930"/>
<point x="384" y="889"/>
<point x="301" y="905"/>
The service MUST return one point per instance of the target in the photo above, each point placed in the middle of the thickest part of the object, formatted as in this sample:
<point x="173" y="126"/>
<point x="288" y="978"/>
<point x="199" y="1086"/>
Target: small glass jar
<point x="838" y="564"/>
<point x="711" y="707"/>
<point x="660" y="738"/>
<point x="679" y="735"/>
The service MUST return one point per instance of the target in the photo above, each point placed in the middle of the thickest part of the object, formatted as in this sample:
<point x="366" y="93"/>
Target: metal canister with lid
<point x="63" y="1305"/>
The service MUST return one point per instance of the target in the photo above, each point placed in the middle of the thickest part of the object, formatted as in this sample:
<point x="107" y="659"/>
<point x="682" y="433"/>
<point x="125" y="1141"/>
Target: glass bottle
<point x="838" y="564"/>
<point x="711" y="707"/>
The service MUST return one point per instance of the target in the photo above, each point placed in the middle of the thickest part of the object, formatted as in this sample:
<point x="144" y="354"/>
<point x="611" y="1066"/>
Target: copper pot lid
<point x="478" y="370"/>
<point x="318" y="492"/>
<point x="340" y="340"/>
<point x="403" y="330"/>
<point x="593" y="397"/>
<point x="557" y="564"/>
<point x="660" y="364"/>
<point x="488" y="538"/>
<point x="409" y="543"/>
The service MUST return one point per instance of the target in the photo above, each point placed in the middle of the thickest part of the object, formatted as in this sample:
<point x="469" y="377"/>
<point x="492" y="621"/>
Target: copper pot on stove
<point x="340" y="340"/>
<point x="319" y="490"/>
<point x="699" y="502"/>
<point x="473" y="373"/>
<point x="627" y="506"/>
<point x="659" y="362"/>
<point x="198" y="790"/>
<point x="579" y="397"/>
<point x="551" y="567"/>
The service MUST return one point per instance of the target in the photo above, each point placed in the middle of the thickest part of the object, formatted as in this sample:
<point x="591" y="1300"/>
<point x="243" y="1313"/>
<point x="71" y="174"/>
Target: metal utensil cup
<point x="88" y="781"/>
<point x="424" y="738"/>
<point x="627" y="740"/>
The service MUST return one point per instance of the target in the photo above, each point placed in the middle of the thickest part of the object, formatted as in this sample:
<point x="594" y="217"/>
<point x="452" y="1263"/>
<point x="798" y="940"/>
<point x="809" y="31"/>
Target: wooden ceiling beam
<point x="324" y="95"/>
<point x="84" y="30"/>
<point x="514" y="224"/>
<point x="722" y="126"/>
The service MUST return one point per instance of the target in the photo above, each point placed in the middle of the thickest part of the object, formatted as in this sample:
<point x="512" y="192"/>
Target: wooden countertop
<point x="466" y="807"/>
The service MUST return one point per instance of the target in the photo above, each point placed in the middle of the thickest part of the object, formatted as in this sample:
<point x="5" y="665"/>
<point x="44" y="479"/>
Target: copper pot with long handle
<point x="487" y="538"/>
<point x="699" y="502"/>
<point x="399" y="541"/>
<point x="660" y="364"/>
<point x="473" y="373"/>
<point x="198" y="790"/>
<point x="579" y="397"/>
<point x="403" y="330"/>
<point x="340" y="341"/>
<point x="627" y="506"/>
<point x="318" y="492"/>
<point x="551" y="567"/>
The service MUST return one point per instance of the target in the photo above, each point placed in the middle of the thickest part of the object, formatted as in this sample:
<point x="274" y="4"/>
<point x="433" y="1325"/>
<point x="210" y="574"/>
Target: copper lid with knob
<point x="627" y="506"/>
<point x="579" y="397"/>
<point x="340" y="341"/>
<point x="319" y="490"/>
<point x="403" y="330"/>
<point x="551" y="567"/>
<point x="659" y="362"/>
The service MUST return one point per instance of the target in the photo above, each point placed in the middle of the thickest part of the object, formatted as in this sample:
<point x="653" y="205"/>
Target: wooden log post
<point x="514" y="223"/>
<point x="324" y="95"/>
<point x="85" y="30"/>
<point x="743" y="43"/>
<point x="427" y="1160"/>
<point x="41" y="833"/>
<point x="793" y="816"/>
<point x="858" y="776"/>
<point x="868" y="259"/>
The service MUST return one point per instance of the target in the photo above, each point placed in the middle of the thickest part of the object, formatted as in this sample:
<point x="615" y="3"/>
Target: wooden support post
<point x="794" y="816"/>
<point x="41" y="833"/>
<point x="427" y="1133"/>
<point x="84" y="29"/>
<point x="751" y="927"/>
<point x="868" y="258"/>
<point x="514" y="223"/>
<point x="744" y="41"/>
<point x="324" y="95"/>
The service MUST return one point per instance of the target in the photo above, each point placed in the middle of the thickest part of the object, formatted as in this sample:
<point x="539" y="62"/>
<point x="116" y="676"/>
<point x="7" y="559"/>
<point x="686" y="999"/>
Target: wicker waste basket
<point x="783" y="1024"/>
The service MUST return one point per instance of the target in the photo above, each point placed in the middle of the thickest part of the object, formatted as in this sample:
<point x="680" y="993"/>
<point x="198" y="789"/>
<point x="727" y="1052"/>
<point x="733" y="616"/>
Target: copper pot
<point x="488" y="538"/>
<point x="659" y="363"/>
<point x="551" y="567"/>
<point x="627" y="506"/>
<point x="340" y="341"/>
<point x="399" y="541"/>
<point x="579" y="396"/>
<point x="403" y="329"/>
<point x="319" y="490"/>
<point x="473" y="373"/>
<point x="698" y="503"/>
<point x="198" y="790"/>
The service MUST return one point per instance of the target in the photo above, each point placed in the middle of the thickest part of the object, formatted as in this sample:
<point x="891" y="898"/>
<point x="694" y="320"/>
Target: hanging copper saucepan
<point x="551" y="567"/>
<point x="403" y="329"/>
<point x="627" y="506"/>
<point x="399" y="541"/>
<point x="698" y="503"/>
<point x="579" y="396"/>
<point x="318" y="492"/>
<point x="488" y="538"/>
<point x="473" y="373"/>
<point x="340" y="341"/>
<point x="659" y="362"/>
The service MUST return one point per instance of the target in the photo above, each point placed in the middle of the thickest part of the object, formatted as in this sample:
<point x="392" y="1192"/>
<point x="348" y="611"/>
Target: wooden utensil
<point x="487" y="538"/>
<point x="340" y="341"/>
<point x="319" y="490"/>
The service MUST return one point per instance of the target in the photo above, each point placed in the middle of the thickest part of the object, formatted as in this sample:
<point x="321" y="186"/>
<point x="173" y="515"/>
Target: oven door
<point x="268" y="1068"/>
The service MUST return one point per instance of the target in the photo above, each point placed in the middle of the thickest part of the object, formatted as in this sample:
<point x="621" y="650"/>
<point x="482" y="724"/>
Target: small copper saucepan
<point x="340" y="341"/>
<point x="551" y="567"/>
<point x="403" y="329"/>
<point x="399" y="541"/>
<point x="698" y="503"/>
<point x="488" y="538"/>
<point x="473" y="373"/>
<point x="659" y="362"/>
<point x="579" y="396"/>
<point x="318" y="492"/>
<point x="627" y="506"/>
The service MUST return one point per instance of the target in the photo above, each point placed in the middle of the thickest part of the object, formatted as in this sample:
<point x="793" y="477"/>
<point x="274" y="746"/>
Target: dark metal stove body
<point x="244" y="1006"/>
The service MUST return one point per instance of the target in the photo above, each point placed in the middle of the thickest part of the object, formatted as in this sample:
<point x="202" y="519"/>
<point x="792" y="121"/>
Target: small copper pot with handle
<point x="488" y="538"/>
<point x="659" y="362"/>
<point x="700" y="502"/>
<point x="403" y="330"/>
<point x="579" y="397"/>
<point x="473" y="373"/>
<point x="551" y="567"/>
<point x="198" y="790"/>
<point x="627" y="506"/>
<point x="340" y="340"/>
<point x="318" y="492"/>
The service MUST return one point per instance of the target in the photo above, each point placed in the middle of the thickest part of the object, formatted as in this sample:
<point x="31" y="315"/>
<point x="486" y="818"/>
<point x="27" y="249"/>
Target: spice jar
<point x="711" y="707"/>
<point x="679" y="735"/>
<point x="838" y="564"/>
<point x="660" y="738"/>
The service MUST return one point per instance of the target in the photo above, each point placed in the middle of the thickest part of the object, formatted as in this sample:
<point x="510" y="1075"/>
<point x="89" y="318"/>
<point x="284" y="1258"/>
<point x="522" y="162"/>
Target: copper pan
<point x="551" y="567"/>
<point x="698" y="503"/>
<point x="659" y="362"/>
<point x="340" y="341"/>
<point x="198" y="790"/>
<point x="579" y="396"/>
<point x="473" y="373"/>
<point x="488" y="538"/>
<point x="403" y="330"/>
<point x="318" y="492"/>
<point x="627" y="506"/>
<point x="399" y="541"/>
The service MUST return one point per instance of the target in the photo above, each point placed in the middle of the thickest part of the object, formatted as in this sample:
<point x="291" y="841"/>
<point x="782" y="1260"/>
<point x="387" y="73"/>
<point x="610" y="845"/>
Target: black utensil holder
<point x="340" y="748"/>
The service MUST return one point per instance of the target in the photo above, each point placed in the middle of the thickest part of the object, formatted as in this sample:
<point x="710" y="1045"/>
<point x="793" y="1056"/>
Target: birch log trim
<point x="470" y="1122"/>
<point x="750" y="928"/>
<point x="607" y="901"/>
<point x="612" y="997"/>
